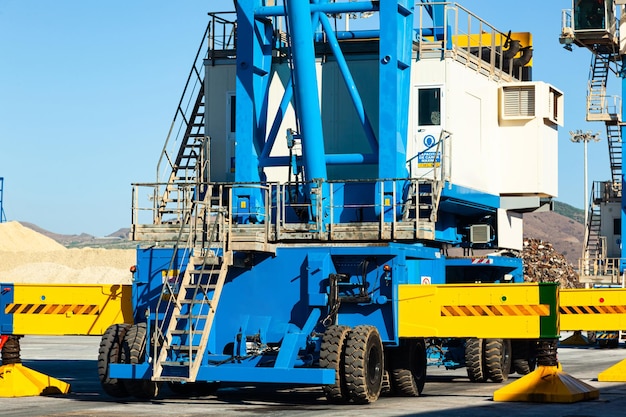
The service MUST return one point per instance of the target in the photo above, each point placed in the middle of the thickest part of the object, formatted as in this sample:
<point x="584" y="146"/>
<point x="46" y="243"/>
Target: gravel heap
<point x="30" y="257"/>
<point x="542" y="263"/>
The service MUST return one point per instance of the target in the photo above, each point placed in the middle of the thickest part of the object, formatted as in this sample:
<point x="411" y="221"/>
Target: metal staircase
<point x="599" y="109"/>
<point x="422" y="201"/>
<point x="188" y="304"/>
<point x="185" y="142"/>
<point x="614" y="139"/>
<point x="592" y="248"/>
<point x="596" y="88"/>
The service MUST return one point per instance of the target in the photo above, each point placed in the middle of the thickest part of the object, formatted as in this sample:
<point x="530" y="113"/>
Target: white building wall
<point x="609" y="212"/>
<point x="510" y="157"/>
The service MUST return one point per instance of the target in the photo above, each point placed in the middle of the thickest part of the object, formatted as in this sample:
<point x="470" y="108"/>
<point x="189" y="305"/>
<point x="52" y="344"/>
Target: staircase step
<point x="182" y="348"/>
<point x="176" y="363"/>
<point x="192" y="316"/>
<point x="177" y="332"/>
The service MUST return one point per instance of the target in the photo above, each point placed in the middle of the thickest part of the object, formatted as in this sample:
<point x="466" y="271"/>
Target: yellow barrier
<point x="480" y="310"/>
<point x="592" y="309"/>
<point x="62" y="309"/>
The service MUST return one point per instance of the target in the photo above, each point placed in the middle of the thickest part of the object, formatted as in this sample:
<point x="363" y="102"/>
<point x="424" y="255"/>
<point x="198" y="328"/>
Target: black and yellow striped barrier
<point x="63" y="309"/>
<point x="592" y="309"/>
<point x="478" y="310"/>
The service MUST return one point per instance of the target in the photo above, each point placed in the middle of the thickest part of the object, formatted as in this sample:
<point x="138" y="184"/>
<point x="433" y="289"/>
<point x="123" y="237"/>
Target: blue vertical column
<point x="396" y="36"/>
<point x="622" y="266"/>
<point x="307" y="99"/>
<point x="254" y="59"/>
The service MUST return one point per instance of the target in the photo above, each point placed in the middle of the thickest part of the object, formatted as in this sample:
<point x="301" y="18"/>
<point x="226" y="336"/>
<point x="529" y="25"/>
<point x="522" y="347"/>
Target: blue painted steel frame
<point x="7" y="291"/>
<point x="254" y="64"/>
<point x="254" y="60"/>
<point x="623" y="203"/>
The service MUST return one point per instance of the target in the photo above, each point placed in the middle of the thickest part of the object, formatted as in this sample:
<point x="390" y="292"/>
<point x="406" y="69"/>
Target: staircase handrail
<point x="194" y="81"/>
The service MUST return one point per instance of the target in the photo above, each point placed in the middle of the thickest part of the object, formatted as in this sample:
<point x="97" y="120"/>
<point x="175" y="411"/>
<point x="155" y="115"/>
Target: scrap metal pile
<point x="542" y="263"/>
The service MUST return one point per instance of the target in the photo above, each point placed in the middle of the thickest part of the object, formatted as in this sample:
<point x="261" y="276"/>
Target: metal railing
<point x="600" y="270"/>
<point x="469" y="39"/>
<point x="376" y="209"/>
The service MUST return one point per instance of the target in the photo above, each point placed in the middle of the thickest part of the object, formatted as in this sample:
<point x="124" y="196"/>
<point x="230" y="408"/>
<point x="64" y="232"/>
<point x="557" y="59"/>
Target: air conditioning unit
<point x="529" y="100"/>
<point x="480" y="233"/>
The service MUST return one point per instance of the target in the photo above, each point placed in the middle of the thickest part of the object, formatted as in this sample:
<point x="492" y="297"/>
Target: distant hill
<point x="563" y="228"/>
<point x="572" y="212"/>
<point x="115" y="240"/>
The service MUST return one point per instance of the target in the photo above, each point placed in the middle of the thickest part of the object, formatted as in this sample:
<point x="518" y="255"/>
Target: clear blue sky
<point x="88" y="90"/>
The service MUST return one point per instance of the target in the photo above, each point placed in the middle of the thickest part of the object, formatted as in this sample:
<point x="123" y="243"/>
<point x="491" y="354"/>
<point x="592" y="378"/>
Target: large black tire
<point x="498" y="359"/>
<point x="332" y="357"/>
<point x="523" y="357"/>
<point x="408" y="372"/>
<point x="134" y="352"/>
<point x="110" y="352"/>
<point x="364" y="364"/>
<point x="474" y="360"/>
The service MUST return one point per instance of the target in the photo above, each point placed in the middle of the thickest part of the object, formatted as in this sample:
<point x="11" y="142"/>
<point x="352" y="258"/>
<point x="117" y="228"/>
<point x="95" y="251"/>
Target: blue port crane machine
<point x="320" y="217"/>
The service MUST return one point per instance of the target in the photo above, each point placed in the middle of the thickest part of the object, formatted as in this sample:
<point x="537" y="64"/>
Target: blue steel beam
<point x="622" y="266"/>
<point x="396" y="28"/>
<point x="306" y="89"/>
<point x="282" y="110"/>
<point x="254" y="59"/>
<point x="331" y="8"/>
<point x="349" y="81"/>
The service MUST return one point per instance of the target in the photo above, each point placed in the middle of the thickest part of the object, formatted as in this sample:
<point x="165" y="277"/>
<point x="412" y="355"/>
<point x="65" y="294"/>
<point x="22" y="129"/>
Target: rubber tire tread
<point x="133" y="352"/>
<point x="332" y="357"/>
<point x="364" y="364"/>
<point x="408" y="374"/>
<point x="108" y="353"/>
<point x="497" y="359"/>
<point x="474" y="361"/>
<point x="523" y="359"/>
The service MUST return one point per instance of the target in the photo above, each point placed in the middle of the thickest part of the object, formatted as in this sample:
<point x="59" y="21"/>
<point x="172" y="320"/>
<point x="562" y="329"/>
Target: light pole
<point x="578" y="136"/>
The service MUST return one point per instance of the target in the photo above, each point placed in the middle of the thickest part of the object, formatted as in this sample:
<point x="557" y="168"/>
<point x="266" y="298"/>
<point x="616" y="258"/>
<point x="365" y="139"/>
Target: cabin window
<point x="429" y="107"/>
<point x="589" y="14"/>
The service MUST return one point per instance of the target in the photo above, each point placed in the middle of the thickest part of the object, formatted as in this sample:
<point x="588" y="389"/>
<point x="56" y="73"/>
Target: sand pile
<point x="30" y="257"/>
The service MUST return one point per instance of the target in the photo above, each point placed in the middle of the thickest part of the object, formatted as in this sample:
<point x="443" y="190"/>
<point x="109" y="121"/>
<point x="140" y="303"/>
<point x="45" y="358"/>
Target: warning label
<point x="429" y="159"/>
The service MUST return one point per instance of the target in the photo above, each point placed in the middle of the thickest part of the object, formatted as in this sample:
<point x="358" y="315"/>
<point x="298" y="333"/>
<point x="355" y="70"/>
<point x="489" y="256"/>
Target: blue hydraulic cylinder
<point x="306" y="91"/>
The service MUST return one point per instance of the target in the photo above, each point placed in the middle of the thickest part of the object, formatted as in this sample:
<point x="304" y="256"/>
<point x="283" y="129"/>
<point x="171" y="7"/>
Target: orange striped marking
<point x="496" y="310"/>
<point x="592" y="310"/>
<point x="76" y="309"/>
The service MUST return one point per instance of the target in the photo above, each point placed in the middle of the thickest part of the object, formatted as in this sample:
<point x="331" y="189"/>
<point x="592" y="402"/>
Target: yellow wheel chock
<point x="616" y="373"/>
<point x="17" y="380"/>
<point x="547" y="384"/>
